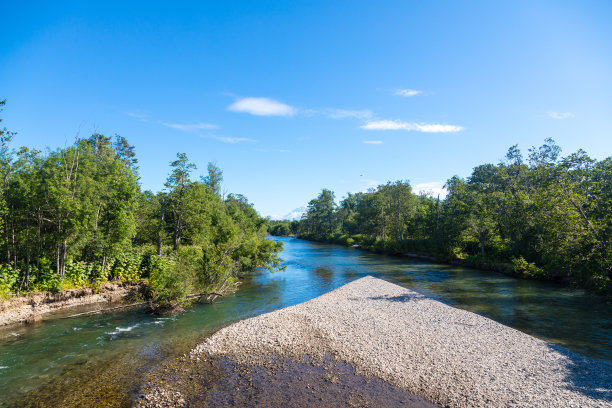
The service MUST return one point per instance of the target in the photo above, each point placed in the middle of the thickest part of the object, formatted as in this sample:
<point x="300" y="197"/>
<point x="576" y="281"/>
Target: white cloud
<point x="347" y="113"/>
<point x="387" y="125"/>
<point x="188" y="127"/>
<point x="408" y="92"/>
<point x="560" y="115"/>
<point x="432" y="188"/>
<point x="374" y="142"/>
<point x="437" y="128"/>
<point x="233" y="140"/>
<point x="419" y="127"/>
<point x="262" y="107"/>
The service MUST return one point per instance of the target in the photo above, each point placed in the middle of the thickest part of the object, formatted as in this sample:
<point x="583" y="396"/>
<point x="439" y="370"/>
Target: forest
<point x="543" y="216"/>
<point x="76" y="216"/>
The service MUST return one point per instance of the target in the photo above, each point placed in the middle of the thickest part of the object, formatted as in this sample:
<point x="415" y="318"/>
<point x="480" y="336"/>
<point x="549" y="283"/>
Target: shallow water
<point x="98" y="359"/>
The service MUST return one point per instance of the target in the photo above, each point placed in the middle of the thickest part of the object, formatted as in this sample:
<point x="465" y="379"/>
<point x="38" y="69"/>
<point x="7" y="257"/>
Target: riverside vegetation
<point x="76" y="216"/>
<point x="546" y="218"/>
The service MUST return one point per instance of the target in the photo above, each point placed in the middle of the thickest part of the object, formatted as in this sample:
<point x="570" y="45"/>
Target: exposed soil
<point x="32" y="307"/>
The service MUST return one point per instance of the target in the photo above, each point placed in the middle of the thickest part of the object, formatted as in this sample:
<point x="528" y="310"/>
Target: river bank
<point x="412" y="342"/>
<point x="32" y="307"/>
<point x="475" y="262"/>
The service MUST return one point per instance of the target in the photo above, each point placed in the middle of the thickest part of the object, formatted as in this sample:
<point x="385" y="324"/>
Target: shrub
<point x="127" y="266"/>
<point x="527" y="269"/>
<point x="9" y="278"/>
<point x="169" y="283"/>
<point x="78" y="273"/>
<point x="49" y="280"/>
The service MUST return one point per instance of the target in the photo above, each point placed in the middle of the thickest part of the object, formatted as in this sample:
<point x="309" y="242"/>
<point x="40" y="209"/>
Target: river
<point x="100" y="359"/>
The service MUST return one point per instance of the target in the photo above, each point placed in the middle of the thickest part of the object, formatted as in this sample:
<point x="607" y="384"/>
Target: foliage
<point x="283" y="228"/>
<point x="9" y="278"/>
<point x="126" y="267"/>
<point x="79" y="273"/>
<point x="527" y="269"/>
<point x="169" y="283"/>
<point x="76" y="216"/>
<point x="552" y="210"/>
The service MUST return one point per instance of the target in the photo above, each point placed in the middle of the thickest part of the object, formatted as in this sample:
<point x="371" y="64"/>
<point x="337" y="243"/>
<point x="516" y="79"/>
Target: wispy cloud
<point x="374" y="142"/>
<point x="233" y="140"/>
<point x="348" y="113"/>
<point x="189" y="127"/>
<point x="419" y="127"/>
<point x="138" y="114"/>
<point x="432" y="188"/>
<point x="408" y="92"/>
<point x="560" y="115"/>
<point x="262" y="107"/>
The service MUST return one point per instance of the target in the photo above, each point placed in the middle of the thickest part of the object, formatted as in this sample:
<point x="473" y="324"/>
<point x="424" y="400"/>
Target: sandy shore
<point x="449" y="356"/>
<point x="33" y="306"/>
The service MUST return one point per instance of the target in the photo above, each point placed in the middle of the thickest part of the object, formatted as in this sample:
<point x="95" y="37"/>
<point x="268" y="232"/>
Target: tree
<point x="6" y="167"/>
<point x="214" y="178"/>
<point x="177" y="182"/>
<point x="320" y="215"/>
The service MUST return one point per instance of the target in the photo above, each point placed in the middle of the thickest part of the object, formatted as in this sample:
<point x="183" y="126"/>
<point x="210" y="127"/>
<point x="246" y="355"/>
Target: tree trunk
<point x="6" y="239"/>
<point x="63" y="260"/>
<point x="177" y="228"/>
<point x="13" y="237"/>
<point x="161" y="227"/>
<point x="103" y="261"/>
<point x="39" y="242"/>
<point x="57" y="260"/>
<point x="27" y="274"/>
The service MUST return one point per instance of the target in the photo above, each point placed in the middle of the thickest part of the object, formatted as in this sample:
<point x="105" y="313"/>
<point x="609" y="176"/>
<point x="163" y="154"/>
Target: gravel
<point x="449" y="356"/>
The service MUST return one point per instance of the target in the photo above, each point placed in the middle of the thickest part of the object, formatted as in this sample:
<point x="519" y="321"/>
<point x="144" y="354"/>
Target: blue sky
<point x="291" y="97"/>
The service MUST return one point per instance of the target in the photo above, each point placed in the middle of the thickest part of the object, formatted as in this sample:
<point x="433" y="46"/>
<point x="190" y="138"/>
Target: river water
<point x="99" y="359"/>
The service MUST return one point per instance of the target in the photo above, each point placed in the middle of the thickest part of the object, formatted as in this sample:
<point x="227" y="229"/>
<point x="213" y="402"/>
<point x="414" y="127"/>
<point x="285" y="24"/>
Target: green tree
<point x="177" y="183"/>
<point x="320" y="217"/>
<point x="214" y="178"/>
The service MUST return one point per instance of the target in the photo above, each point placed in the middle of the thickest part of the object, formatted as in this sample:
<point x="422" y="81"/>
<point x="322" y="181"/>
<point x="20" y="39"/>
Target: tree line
<point x="543" y="216"/>
<point x="77" y="216"/>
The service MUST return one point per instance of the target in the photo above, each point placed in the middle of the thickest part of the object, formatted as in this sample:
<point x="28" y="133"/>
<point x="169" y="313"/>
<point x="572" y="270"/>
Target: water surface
<point x="100" y="358"/>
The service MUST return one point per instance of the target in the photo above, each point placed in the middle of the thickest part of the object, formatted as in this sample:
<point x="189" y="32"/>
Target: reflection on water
<point x="324" y="275"/>
<point x="34" y="356"/>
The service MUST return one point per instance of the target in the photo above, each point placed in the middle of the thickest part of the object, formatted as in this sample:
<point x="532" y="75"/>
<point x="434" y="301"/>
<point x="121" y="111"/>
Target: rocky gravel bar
<point x="450" y="356"/>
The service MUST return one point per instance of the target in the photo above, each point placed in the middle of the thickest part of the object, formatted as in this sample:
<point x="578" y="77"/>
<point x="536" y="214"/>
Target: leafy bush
<point x="527" y="269"/>
<point x="9" y="278"/>
<point x="127" y="266"/>
<point x="49" y="280"/>
<point x="191" y="257"/>
<point x="79" y="273"/>
<point x="500" y="250"/>
<point x="169" y="283"/>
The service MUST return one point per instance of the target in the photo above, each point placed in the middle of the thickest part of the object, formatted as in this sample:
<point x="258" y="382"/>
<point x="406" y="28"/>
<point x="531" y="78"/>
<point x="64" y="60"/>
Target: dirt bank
<point x="33" y="306"/>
